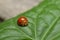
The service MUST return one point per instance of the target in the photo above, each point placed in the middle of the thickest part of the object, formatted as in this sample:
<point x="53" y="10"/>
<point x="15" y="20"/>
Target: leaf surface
<point x="43" y="23"/>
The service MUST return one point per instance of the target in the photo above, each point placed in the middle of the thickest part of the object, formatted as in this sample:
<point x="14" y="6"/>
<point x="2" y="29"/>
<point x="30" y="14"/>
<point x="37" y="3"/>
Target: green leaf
<point x="43" y="23"/>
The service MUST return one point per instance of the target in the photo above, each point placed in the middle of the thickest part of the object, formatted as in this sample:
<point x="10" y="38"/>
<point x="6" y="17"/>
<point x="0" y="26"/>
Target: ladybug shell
<point x="22" y="21"/>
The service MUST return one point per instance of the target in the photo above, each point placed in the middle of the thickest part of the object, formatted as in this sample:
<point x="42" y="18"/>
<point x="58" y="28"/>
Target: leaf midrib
<point x="37" y="19"/>
<point x="52" y="24"/>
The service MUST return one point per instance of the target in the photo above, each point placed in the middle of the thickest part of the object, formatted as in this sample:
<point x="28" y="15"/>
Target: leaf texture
<point x="43" y="23"/>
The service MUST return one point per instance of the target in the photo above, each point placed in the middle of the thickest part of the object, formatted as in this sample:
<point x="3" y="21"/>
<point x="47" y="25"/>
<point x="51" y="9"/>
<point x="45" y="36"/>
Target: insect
<point x="22" y="21"/>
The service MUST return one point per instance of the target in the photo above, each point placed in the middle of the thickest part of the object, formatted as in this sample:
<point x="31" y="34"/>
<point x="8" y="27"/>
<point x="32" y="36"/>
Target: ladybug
<point x="22" y="21"/>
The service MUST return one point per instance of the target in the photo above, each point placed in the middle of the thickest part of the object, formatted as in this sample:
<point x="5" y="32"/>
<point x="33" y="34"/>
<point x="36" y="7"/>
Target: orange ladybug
<point x="22" y="21"/>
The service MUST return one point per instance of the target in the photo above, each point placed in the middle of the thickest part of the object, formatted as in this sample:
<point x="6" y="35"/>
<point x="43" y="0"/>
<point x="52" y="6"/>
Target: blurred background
<point x="11" y="8"/>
